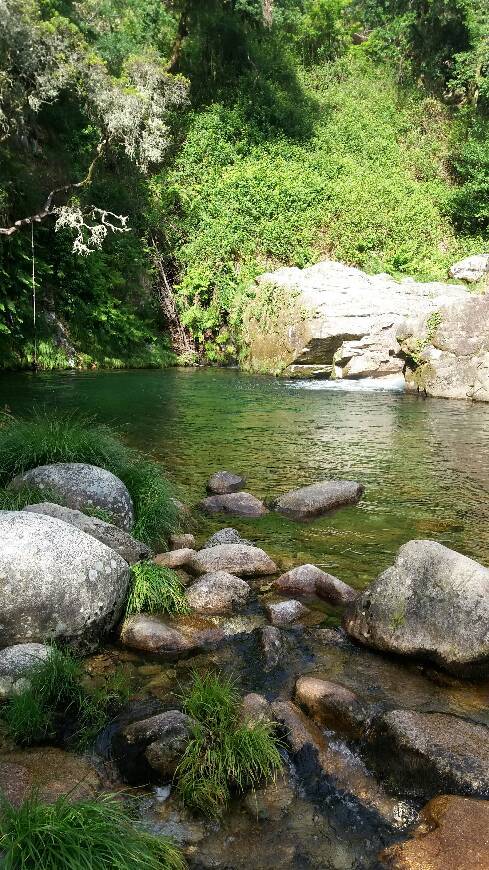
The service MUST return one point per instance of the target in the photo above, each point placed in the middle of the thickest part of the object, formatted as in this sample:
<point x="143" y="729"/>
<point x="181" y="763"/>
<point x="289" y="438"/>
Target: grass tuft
<point x="224" y="755"/>
<point x="155" y="589"/>
<point x="55" y="699"/>
<point x="96" y="833"/>
<point x="54" y="437"/>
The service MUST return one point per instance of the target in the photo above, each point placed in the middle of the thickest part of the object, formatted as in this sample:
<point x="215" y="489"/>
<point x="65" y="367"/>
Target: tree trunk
<point x="182" y="343"/>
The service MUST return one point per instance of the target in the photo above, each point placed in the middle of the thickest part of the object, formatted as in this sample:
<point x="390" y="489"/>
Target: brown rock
<point x="224" y="482"/>
<point x="155" y="635"/>
<point x="174" y="558"/>
<point x="182" y="541"/>
<point x="217" y="592"/>
<point x="255" y="708"/>
<point x="308" y="580"/>
<point x="453" y="835"/>
<point x="239" y="559"/>
<point x="238" y="504"/>
<point x="50" y="771"/>
<point x="332" y="705"/>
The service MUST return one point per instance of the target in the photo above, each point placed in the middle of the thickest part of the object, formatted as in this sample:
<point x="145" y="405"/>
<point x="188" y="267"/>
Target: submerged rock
<point x="240" y="559"/>
<point x="174" y="558"/>
<point x="58" y="582"/>
<point x="226" y="536"/>
<point x="318" y="499"/>
<point x="284" y="612"/>
<point x="431" y="753"/>
<point x="155" y="635"/>
<point x="332" y="705"/>
<point x="238" y="504"/>
<point x="272" y="646"/>
<point x="217" y="592"/>
<point x="112" y="536"/>
<point x="308" y="580"/>
<point x="49" y="772"/>
<point x="80" y="485"/>
<point x="453" y="834"/>
<point x="223" y="482"/>
<point x="15" y="664"/>
<point x="433" y="603"/>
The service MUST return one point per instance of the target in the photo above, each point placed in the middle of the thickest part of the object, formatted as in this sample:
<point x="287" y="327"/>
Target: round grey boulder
<point x="432" y="603"/>
<point x="16" y="662"/>
<point x="218" y="592"/>
<point x="80" y="486"/>
<point x="56" y="582"/>
<point x="112" y="536"/>
<point x="223" y="482"/>
<point x="240" y="559"/>
<point x="225" y="536"/>
<point x="318" y="499"/>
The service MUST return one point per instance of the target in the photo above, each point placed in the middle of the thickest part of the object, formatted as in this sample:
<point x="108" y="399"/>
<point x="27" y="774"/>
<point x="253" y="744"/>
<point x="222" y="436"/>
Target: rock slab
<point x="433" y="603"/>
<point x="318" y="499"/>
<point x="238" y="504"/>
<point x="80" y="485"/>
<point x="56" y="582"/>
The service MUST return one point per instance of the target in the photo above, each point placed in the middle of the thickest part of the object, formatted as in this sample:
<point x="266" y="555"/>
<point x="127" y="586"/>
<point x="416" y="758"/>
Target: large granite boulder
<point x="238" y="504"/>
<point x="337" y="320"/>
<point x="318" y="499"/>
<point x="112" y="536"/>
<point x="80" y="485"/>
<point x="239" y="559"/>
<point x="432" y="603"/>
<point x="15" y="664"/>
<point x="447" y="353"/>
<point x="56" y="582"/>
<point x="425" y="754"/>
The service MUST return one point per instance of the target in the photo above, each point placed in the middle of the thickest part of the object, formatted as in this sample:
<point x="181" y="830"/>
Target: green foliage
<point x="96" y="833"/>
<point x="155" y="589"/>
<point x="56" y="695"/>
<point x="224" y="755"/>
<point x="47" y="438"/>
<point x="17" y="499"/>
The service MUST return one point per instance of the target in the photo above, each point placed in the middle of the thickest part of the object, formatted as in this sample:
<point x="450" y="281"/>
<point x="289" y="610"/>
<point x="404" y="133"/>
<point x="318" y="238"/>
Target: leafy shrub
<point x="96" y="833"/>
<point x="224" y="755"/>
<point x="46" y="438"/>
<point x="155" y="589"/>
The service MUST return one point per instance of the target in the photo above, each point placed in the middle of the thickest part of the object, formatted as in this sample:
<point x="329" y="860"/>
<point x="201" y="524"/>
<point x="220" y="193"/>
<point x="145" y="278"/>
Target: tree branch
<point x="49" y="209"/>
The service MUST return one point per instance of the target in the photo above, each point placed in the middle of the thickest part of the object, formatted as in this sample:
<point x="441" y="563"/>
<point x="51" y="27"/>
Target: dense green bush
<point x="45" y="438"/>
<point x="96" y="833"/>
<point x="225" y="755"/>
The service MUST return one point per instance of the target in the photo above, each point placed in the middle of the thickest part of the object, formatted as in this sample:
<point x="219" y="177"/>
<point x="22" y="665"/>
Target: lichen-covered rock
<point x="112" y="536"/>
<point x="238" y="504"/>
<point x="318" y="499"/>
<point x="433" y="603"/>
<point x="15" y="664"/>
<point x="225" y="536"/>
<point x="426" y="754"/>
<point x="453" y="834"/>
<point x="56" y="582"/>
<point x="471" y="269"/>
<point x="447" y="354"/>
<point x="180" y="639"/>
<point x="239" y="559"/>
<point x="217" y="592"/>
<point x="284" y="612"/>
<point x="308" y="580"/>
<point x="332" y="705"/>
<point x="80" y="485"/>
<point x="223" y="482"/>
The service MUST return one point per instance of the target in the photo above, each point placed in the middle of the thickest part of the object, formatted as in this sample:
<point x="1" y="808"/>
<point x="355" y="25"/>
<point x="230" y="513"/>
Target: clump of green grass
<point x="56" y="697"/>
<point x="18" y="499"/>
<point x="45" y="438"/>
<point x="225" y="755"/>
<point x="96" y="833"/>
<point x="155" y="589"/>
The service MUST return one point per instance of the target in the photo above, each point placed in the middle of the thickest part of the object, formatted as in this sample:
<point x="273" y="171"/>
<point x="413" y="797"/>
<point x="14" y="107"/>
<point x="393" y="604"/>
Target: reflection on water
<point x="425" y="464"/>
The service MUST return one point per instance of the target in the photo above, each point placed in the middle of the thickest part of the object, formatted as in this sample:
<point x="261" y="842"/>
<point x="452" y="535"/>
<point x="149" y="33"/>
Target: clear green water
<point x="424" y="463"/>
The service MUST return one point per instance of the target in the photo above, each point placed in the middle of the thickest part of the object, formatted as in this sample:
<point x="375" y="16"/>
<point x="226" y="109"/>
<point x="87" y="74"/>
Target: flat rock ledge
<point x="318" y="499"/>
<point x="170" y="640"/>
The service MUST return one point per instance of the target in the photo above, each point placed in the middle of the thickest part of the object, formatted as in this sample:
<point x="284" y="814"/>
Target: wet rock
<point x="238" y="504"/>
<point x="271" y="802"/>
<point x="453" y="834"/>
<point x="174" y="558"/>
<point x="471" y="269"/>
<point x="432" y="603"/>
<point x="431" y="753"/>
<point x="224" y="482"/>
<point x="217" y="592"/>
<point x="80" y="485"/>
<point x="15" y="664"/>
<point x="255" y="708"/>
<point x="332" y="705"/>
<point x="239" y="559"/>
<point x="272" y="646"/>
<point x="308" y="580"/>
<point x="226" y="536"/>
<point x="182" y="541"/>
<point x="151" y="745"/>
<point x="182" y="638"/>
<point x="284" y="612"/>
<point x="318" y="499"/>
<point x="58" y="582"/>
<point x="51" y="772"/>
<point x="112" y="536"/>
